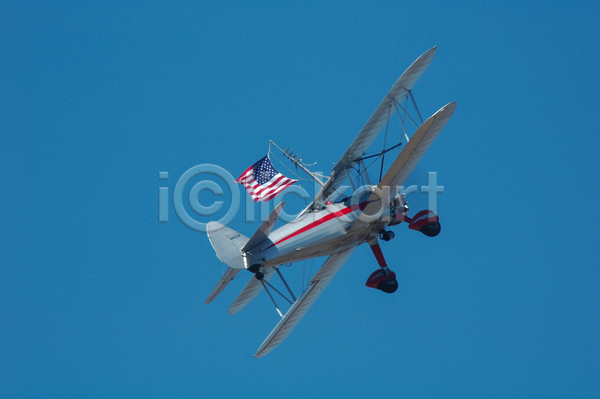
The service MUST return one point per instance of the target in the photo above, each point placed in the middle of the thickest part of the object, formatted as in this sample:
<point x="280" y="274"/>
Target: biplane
<point x="332" y="224"/>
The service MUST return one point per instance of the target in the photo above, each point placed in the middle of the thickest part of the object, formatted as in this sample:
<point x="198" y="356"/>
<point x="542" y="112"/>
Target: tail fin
<point x="228" y="244"/>
<point x="232" y="248"/>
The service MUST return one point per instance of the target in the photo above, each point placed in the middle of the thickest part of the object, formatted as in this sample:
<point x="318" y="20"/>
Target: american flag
<point x="263" y="181"/>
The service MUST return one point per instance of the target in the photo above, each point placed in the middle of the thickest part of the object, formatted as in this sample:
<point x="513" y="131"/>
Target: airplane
<point x="335" y="227"/>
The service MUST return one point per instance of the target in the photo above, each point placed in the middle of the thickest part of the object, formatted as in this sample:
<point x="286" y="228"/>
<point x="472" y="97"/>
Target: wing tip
<point x="428" y="54"/>
<point x="450" y="107"/>
<point x="266" y="348"/>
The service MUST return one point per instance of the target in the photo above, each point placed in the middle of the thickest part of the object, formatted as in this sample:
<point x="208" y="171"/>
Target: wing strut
<point x="266" y="284"/>
<point x="398" y="105"/>
<point x="412" y="98"/>
<point x="271" y="296"/>
<point x="286" y="285"/>
<point x="387" y="125"/>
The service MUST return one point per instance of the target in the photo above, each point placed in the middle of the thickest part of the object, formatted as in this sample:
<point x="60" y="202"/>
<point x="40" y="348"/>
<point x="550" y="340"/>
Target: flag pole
<point x="297" y="161"/>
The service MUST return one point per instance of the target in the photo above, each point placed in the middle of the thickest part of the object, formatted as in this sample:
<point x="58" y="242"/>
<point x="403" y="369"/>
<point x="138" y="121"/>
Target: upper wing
<point x="376" y="122"/>
<point x="419" y="143"/>
<point x="409" y="157"/>
<point x="293" y="316"/>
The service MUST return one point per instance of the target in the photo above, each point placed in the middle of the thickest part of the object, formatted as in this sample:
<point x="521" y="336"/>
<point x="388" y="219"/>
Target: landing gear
<point x="254" y="268"/>
<point x="389" y="286"/>
<point x="431" y="230"/>
<point x="387" y="235"/>
<point x="384" y="280"/>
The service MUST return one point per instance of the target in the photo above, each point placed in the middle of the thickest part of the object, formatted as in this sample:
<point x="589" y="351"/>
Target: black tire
<point x="254" y="268"/>
<point x="431" y="230"/>
<point x="389" y="286"/>
<point x="259" y="276"/>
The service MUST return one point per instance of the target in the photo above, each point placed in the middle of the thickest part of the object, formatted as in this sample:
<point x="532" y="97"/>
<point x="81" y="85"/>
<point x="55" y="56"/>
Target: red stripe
<point x="269" y="186"/>
<point x="272" y="189"/>
<point x="247" y="180"/>
<point x="243" y="174"/>
<point x="277" y="191"/>
<point x="267" y="191"/>
<point x="317" y="222"/>
<point x="253" y="184"/>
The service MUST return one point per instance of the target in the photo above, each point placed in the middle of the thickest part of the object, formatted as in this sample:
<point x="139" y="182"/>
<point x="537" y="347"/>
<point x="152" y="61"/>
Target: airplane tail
<point x="232" y="247"/>
<point x="228" y="244"/>
<point x="235" y="249"/>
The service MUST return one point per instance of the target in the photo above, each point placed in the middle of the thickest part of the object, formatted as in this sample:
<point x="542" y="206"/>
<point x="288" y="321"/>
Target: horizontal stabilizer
<point x="261" y="235"/>
<point x="293" y="316"/>
<point x="226" y="279"/>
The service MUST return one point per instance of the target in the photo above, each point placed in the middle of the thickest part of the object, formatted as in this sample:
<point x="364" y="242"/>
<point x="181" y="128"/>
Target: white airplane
<point x="332" y="227"/>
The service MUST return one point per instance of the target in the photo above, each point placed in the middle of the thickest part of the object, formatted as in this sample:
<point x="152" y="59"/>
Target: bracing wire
<point x="403" y="120"/>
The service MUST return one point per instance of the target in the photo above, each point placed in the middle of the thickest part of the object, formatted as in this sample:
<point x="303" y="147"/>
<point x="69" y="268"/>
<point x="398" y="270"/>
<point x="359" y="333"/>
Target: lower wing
<point x="293" y="316"/>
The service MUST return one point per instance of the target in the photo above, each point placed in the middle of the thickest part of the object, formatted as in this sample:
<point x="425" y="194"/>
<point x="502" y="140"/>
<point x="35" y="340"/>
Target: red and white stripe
<point x="267" y="191"/>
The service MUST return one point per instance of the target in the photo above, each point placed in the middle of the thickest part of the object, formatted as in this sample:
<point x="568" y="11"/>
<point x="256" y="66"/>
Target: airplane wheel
<point x="254" y="268"/>
<point x="259" y="276"/>
<point x="387" y="235"/>
<point x="389" y="286"/>
<point x="431" y="230"/>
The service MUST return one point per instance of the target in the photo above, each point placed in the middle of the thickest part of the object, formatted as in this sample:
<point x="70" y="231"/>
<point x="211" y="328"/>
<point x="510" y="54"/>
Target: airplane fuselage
<point x="321" y="233"/>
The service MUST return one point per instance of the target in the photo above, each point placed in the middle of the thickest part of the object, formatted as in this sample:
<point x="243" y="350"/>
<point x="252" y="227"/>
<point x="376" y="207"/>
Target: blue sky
<point x="98" y="299"/>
